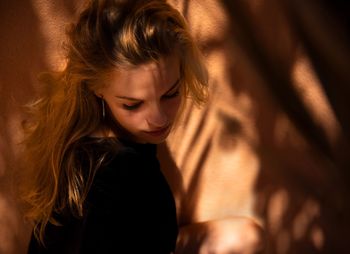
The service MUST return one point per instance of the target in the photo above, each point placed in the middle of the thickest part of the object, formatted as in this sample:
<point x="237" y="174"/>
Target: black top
<point x="129" y="208"/>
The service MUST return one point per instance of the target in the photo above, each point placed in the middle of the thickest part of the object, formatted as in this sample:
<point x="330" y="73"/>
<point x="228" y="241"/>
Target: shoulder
<point x="115" y="155"/>
<point x="124" y="168"/>
<point x="98" y="150"/>
<point x="115" y="146"/>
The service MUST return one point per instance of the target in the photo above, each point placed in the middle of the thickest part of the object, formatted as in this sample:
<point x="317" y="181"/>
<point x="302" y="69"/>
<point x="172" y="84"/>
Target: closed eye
<point x="172" y="95"/>
<point x="132" y="106"/>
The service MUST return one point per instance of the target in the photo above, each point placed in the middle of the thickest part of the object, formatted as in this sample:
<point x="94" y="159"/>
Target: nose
<point x="157" y="118"/>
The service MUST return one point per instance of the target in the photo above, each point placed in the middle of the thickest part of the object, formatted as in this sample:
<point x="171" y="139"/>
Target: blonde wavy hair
<point x="108" y="34"/>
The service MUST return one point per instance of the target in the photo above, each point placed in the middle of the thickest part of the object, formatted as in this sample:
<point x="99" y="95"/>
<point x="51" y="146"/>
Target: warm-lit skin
<point x="144" y="100"/>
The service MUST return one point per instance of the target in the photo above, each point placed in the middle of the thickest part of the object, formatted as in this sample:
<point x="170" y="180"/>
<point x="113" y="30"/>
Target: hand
<point x="232" y="235"/>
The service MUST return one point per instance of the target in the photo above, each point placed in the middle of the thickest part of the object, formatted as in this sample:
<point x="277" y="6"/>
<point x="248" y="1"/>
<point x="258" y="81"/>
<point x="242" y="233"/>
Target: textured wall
<point x="31" y="34"/>
<point x="271" y="144"/>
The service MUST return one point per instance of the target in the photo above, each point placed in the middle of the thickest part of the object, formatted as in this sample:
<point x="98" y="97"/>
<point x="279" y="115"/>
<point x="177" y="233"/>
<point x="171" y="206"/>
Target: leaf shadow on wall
<point x="301" y="188"/>
<point x="313" y="218"/>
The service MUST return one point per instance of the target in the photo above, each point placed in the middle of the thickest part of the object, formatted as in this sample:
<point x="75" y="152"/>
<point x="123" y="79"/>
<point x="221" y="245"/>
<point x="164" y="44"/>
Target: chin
<point x="155" y="138"/>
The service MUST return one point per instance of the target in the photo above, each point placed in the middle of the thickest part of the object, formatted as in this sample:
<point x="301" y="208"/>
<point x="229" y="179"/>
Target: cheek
<point x="128" y="119"/>
<point x="172" y="107"/>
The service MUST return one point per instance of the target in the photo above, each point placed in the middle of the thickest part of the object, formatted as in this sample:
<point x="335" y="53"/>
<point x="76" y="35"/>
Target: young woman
<point x="95" y="183"/>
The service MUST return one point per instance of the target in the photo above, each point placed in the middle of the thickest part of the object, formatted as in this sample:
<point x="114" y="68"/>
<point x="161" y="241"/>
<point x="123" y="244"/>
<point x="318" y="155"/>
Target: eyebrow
<point x="134" y="99"/>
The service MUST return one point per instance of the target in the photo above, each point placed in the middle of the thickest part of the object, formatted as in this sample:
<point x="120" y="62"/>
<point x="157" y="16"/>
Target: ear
<point x="98" y="93"/>
<point x="100" y="89"/>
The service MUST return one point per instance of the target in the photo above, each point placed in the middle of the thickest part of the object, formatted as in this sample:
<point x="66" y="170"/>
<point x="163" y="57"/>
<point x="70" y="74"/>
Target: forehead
<point x="137" y="80"/>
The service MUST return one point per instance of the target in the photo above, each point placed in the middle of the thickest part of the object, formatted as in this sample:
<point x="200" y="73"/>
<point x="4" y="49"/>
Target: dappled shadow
<point x="301" y="180"/>
<point x="272" y="143"/>
<point x="278" y="72"/>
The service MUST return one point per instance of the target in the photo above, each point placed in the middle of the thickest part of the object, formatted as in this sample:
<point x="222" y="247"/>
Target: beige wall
<point x="246" y="153"/>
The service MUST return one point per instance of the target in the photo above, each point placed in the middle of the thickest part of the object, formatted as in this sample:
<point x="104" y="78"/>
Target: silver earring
<point x="103" y="109"/>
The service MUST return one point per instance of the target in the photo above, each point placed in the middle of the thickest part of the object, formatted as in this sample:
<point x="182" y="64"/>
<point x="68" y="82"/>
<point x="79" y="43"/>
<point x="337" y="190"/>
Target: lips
<point x="158" y="132"/>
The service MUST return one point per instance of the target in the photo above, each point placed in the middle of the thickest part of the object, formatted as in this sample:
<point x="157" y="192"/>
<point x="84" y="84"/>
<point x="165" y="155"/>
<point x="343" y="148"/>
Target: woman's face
<point x="144" y="100"/>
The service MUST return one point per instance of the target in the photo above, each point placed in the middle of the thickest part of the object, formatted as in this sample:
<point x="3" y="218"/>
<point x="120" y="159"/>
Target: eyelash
<point x="135" y="106"/>
<point x="169" y="96"/>
<point x="131" y="107"/>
